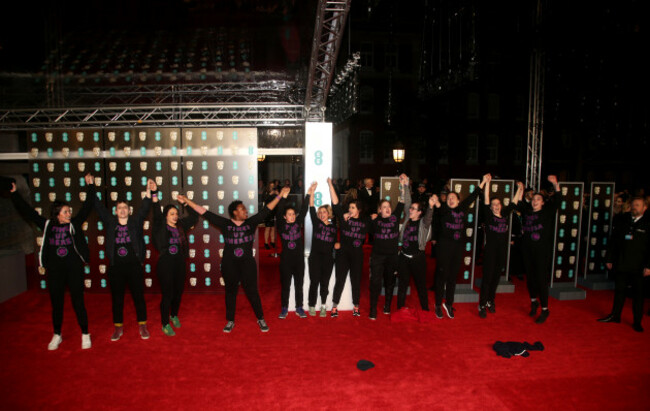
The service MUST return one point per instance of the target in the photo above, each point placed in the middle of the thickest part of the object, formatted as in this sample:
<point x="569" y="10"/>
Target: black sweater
<point x="324" y="235"/>
<point x="386" y="232"/>
<point x="133" y="223"/>
<point x="161" y="235"/>
<point x="239" y="239"/>
<point x="450" y="222"/>
<point x="353" y="231"/>
<point x="79" y="243"/>
<point x="291" y="233"/>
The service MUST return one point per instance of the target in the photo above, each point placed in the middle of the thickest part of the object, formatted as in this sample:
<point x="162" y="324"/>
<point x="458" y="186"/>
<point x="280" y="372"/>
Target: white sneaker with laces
<point x="85" y="341"/>
<point x="54" y="344"/>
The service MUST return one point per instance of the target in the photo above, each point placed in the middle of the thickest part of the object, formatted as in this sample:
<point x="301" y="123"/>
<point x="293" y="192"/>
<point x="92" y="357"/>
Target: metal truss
<point x="223" y="115"/>
<point x="272" y="91"/>
<point x="536" y="108"/>
<point x="328" y="33"/>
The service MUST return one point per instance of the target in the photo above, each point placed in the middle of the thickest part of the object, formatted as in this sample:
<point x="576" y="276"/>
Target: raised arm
<point x="333" y="195"/>
<point x="305" y="204"/>
<point x="88" y="205"/>
<point x="552" y="202"/>
<point x="486" y="191"/>
<point x="25" y="209"/>
<point x="519" y="195"/>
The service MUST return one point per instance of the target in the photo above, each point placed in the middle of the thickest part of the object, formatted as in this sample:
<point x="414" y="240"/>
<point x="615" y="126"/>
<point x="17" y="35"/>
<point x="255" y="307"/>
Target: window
<point x="473" y="105"/>
<point x="472" y="149"/>
<point x="493" y="109"/>
<point x="367" y="56"/>
<point x="367" y="99"/>
<point x="366" y="155"/>
<point x="492" y="147"/>
<point x="391" y="56"/>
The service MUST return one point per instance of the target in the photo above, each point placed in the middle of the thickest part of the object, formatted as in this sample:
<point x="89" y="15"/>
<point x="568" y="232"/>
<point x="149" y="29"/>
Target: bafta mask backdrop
<point x="464" y="187"/>
<point x="58" y="163"/>
<point x="219" y="166"/>
<point x="213" y="166"/>
<point x="567" y="233"/>
<point x="601" y="210"/>
<point x="389" y="190"/>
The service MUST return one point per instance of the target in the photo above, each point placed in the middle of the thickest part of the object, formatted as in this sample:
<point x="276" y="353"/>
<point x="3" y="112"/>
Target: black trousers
<point x="449" y="258"/>
<point x="119" y="276"/>
<point x="235" y="270"/>
<point x="171" y="275"/>
<point x="415" y="267"/>
<point x="382" y="270"/>
<point x="320" y="271"/>
<point x="292" y="266"/>
<point x="494" y="264"/>
<point x="348" y="260"/>
<point x="635" y="279"/>
<point x="70" y="273"/>
<point x="537" y="260"/>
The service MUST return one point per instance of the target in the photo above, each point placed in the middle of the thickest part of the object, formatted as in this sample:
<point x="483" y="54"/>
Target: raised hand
<point x="520" y="185"/>
<point x="13" y="187"/>
<point x="312" y="187"/>
<point x="373" y="216"/>
<point x="432" y="200"/>
<point x="89" y="178"/>
<point x="181" y="199"/>
<point x="285" y="192"/>
<point x="552" y="179"/>
<point x="329" y="180"/>
<point x="151" y="185"/>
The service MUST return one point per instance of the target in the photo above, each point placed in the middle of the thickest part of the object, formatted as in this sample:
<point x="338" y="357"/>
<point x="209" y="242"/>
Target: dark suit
<point x="629" y="253"/>
<point x="369" y="201"/>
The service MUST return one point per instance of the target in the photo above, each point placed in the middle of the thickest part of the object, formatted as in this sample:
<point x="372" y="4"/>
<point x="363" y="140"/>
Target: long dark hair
<point x="56" y="207"/>
<point x="167" y="208"/>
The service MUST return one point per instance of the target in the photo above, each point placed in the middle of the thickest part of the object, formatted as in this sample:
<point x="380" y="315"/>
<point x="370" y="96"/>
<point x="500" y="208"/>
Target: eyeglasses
<point x="414" y="208"/>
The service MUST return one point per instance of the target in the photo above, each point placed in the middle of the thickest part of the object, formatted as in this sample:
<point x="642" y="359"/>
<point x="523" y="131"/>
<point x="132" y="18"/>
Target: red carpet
<point x="311" y="363"/>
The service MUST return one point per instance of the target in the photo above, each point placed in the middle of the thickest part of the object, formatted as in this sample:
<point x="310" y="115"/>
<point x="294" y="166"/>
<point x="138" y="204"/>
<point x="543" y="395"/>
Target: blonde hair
<point x="327" y="208"/>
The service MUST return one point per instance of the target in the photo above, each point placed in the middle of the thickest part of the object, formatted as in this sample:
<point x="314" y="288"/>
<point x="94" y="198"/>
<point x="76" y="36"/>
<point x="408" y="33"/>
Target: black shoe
<point x="490" y="307"/>
<point x="449" y="310"/>
<point x="267" y="246"/>
<point x="637" y="327"/>
<point x="229" y="326"/>
<point x="481" y="311"/>
<point x="334" y="313"/>
<point x="272" y="245"/>
<point x="357" y="313"/>
<point x="609" y="319"/>
<point x="542" y="317"/>
<point x="263" y="327"/>
<point x="534" y="305"/>
<point x="438" y="311"/>
<point x="373" y="314"/>
<point x="386" y="309"/>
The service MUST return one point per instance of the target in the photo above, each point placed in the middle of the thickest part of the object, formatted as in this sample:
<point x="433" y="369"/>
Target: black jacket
<point x="134" y="225"/>
<point x="79" y="243"/>
<point x="629" y="248"/>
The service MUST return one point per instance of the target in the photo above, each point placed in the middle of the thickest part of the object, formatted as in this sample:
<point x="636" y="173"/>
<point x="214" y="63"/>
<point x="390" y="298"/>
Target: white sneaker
<point x="54" y="344"/>
<point x="85" y="341"/>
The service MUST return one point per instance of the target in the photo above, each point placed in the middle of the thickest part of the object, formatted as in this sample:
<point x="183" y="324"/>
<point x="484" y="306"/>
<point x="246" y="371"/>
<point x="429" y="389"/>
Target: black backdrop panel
<point x="464" y="187"/>
<point x="599" y="227"/>
<point x="389" y="190"/>
<point x="567" y="233"/>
